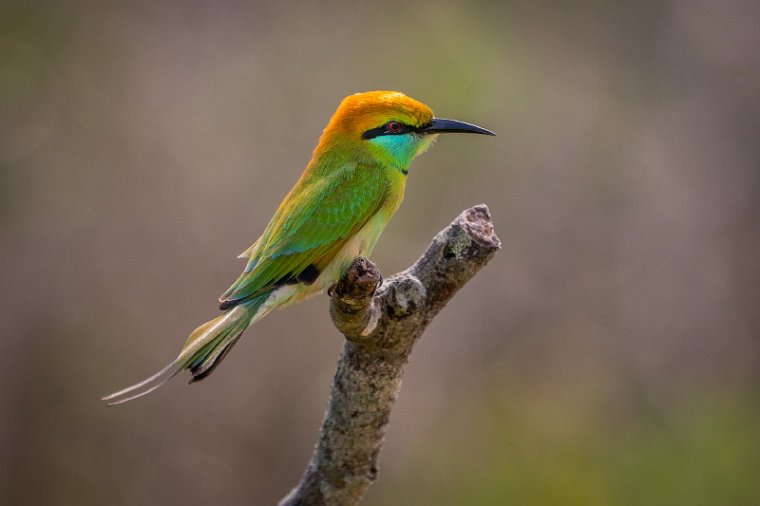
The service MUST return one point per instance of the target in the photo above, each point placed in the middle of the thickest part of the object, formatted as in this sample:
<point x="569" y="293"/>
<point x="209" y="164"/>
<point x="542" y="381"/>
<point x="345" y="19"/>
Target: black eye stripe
<point x="385" y="130"/>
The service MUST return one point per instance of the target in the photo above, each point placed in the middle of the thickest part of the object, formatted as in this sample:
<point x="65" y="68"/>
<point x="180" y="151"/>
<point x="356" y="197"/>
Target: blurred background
<point x="609" y="354"/>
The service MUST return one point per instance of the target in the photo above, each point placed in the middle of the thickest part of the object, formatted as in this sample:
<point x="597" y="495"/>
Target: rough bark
<point x="381" y="327"/>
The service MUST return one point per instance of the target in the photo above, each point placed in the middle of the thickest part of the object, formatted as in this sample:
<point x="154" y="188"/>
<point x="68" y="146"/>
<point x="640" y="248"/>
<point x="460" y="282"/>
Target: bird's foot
<point x="361" y="280"/>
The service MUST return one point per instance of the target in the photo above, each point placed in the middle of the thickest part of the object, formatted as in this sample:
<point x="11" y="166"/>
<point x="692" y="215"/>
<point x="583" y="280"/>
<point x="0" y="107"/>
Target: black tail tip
<point x="227" y="304"/>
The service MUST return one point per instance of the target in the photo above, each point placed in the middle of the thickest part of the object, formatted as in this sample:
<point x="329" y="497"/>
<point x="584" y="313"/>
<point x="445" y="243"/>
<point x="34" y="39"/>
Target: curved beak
<point x="442" y="125"/>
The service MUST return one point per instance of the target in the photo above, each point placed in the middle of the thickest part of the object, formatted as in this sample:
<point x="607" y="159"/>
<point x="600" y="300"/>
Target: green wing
<point x="311" y="225"/>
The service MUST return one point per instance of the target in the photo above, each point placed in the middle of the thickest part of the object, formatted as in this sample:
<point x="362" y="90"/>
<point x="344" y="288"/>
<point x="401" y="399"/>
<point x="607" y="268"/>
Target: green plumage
<point x="335" y="212"/>
<point x="320" y="214"/>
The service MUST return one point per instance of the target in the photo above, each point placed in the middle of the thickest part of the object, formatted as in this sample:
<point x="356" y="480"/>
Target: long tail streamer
<point x="203" y="351"/>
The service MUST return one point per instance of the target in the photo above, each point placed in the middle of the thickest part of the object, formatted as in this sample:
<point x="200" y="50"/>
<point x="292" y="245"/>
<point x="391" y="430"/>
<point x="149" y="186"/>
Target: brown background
<point x="608" y="355"/>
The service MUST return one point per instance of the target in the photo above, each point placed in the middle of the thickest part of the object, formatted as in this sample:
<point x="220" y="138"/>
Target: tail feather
<point x="146" y="386"/>
<point x="209" y="356"/>
<point x="203" y="351"/>
<point x="201" y="373"/>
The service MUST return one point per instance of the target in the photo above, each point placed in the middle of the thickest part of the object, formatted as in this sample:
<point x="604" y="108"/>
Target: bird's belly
<point x="361" y="244"/>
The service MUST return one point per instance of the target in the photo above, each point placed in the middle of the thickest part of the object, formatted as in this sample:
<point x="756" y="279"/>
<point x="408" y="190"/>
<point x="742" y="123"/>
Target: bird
<point x="334" y="213"/>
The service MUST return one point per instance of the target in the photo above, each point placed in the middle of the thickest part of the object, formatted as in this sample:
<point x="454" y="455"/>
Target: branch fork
<point x="381" y="322"/>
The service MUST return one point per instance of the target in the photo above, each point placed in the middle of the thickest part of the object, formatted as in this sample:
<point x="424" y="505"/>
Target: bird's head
<point x="390" y="126"/>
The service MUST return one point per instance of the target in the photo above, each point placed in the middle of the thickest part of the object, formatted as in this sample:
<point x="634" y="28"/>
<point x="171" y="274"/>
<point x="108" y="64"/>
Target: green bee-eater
<point x="335" y="212"/>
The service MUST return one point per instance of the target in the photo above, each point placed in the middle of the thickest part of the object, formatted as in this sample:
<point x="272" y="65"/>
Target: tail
<point x="203" y="351"/>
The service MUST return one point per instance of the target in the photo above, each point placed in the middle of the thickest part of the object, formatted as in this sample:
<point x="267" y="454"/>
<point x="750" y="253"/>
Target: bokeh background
<point x="609" y="354"/>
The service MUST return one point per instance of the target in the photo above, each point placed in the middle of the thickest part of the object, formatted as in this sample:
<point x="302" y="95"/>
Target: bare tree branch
<point x="381" y="328"/>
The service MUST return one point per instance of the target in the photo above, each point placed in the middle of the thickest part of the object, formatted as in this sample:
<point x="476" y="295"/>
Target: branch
<point x="381" y="327"/>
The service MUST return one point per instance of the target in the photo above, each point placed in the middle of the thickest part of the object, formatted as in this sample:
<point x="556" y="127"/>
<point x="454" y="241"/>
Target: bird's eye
<point x="394" y="127"/>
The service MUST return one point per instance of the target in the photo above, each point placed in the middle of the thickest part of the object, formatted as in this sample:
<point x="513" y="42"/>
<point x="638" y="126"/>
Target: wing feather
<point x="311" y="225"/>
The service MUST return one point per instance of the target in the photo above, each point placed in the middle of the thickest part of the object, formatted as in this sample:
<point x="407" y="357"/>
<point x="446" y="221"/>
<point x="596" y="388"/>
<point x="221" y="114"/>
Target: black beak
<point x="441" y="125"/>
